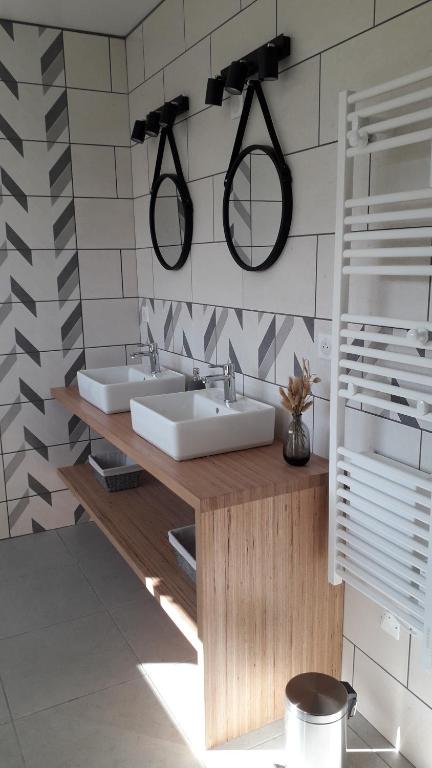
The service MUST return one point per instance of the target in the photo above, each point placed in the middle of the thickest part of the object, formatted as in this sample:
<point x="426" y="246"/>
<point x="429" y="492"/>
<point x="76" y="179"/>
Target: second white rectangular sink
<point x="187" y="425"/>
<point x="111" y="389"/>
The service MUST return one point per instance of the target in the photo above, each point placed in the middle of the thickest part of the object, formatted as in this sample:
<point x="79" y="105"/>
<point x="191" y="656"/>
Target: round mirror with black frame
<point x="171" y="220"/>
<point x="257" y="207"/>
<point x="171" y="209"/>
<point x="258" y="200"/>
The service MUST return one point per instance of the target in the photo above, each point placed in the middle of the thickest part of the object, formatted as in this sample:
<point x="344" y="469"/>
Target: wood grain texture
<point x="266" y="609"/>
<point x="208" y="483"/>
<point x="137" y="524"/>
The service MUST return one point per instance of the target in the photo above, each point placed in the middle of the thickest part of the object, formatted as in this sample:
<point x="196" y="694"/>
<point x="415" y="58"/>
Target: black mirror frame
<point x="182" y="187"/>
<point x="284" y="173"/>
<point x="286" y="213"/>
<point x="188" y="213"/>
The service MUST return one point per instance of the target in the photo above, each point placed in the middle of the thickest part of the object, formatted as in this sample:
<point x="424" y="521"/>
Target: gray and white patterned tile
<point x="38" y="275"/>
<point x="30" y="376"/>
<point x="31" y="54"/>
<point x="196" y="332"/>
<point x="295" y="340"/>
<point x="40" y="170"/>
<point x="34" y="514"/>
<point x="33" y="472"/>
<point x="34" y="327"/>
<point x="34" y="113"/>
<point x="39" y="425"/>
<point x="37" y="223"/>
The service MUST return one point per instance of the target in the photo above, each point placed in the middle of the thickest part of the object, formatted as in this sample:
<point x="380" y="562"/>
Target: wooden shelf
<point x="209" y="483"/>
<point x="136" y="522"/>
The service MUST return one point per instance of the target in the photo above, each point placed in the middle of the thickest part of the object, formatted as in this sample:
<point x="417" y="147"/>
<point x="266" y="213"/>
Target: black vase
<point x="296" y="447"/>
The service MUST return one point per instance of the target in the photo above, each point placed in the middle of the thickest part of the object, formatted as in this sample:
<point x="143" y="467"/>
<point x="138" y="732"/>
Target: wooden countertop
<point x="212" y="482"/>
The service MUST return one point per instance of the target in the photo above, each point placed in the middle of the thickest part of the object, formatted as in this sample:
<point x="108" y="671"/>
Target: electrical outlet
<point x="324" y="346"/>
<point x="390" y="624"/>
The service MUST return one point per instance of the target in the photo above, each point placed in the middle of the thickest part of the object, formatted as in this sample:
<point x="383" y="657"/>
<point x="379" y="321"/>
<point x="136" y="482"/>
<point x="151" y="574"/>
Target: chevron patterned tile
<point x="38" y="425"/>
<point x="33" y="54"/>
<point x="33" y="113"/>
<point x="33" y="327"/>
<point x="30" y="472"/>
<point x="41" y="275"/>
<point x="33" y="374"/>
<point x="294" y="341"/>
<point x="39" y="170"/>
<point x="33" y="514"/>
<point x="4" y="521"/>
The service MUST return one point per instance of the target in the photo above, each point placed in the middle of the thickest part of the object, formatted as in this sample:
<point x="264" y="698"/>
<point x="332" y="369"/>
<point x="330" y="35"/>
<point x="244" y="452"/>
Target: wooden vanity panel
<point x="207" y="483"/>
<point x="266" y="609"/>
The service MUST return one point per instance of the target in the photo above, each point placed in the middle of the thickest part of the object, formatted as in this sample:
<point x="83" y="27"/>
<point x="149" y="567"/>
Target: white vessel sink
<point x="187" y="425"/>
<point x="111" y="389"/>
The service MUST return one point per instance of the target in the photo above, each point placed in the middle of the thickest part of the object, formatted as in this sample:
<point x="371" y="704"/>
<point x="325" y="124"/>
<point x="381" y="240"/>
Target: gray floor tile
<point x="85" y="542"/>
<point x="4" y="711"/>
<point x="108" y="573"/>
<point x="122" y="727"/>
<point x="359" y="755"/>
<point x="48" y="667"/>
<point x="26" y="555"/>
<point x="373" y="738"/>
<point x="37" y="600"/>
<point x="10" y="755"/>
<point x="151" y="634"/>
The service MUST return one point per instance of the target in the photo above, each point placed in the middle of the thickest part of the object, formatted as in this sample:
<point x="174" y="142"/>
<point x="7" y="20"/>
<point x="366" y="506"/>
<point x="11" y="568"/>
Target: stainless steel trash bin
<point x="316" y="713"/>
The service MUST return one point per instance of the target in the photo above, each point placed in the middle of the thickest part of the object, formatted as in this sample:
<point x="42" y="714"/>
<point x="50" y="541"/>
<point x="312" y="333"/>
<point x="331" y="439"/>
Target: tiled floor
<point x="93" y="674"/>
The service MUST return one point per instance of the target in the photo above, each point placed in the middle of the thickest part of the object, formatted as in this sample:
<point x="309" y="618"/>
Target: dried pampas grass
<point x="297" y="397"/>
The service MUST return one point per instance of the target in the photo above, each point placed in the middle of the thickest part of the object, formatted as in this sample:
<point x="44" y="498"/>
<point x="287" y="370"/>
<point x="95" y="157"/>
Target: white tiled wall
<point x="68" y="279"/>
<point x="272" y="319"/>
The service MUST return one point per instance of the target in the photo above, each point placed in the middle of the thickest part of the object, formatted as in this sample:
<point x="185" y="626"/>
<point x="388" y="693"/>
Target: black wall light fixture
<point x="159" y="118"/>
<point x="171" y="209"/>
<point x="260" y="64"/>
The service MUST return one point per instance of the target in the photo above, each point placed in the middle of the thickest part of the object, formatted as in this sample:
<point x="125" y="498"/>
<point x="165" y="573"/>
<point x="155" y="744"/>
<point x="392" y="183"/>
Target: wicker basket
<point x="183" y="541"/>
<point x="115" y="471"/>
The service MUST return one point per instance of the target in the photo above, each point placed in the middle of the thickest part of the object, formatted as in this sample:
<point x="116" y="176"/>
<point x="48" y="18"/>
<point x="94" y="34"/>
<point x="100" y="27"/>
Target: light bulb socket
<point x="268" y="62"/>
<point x="236" y="77"/>
<point x="214" y="92"/>
<point x="153" y="124"/>
<point x="139" y="131"/>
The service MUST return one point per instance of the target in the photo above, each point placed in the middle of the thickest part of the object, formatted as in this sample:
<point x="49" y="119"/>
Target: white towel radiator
<point x="380" y="538"/>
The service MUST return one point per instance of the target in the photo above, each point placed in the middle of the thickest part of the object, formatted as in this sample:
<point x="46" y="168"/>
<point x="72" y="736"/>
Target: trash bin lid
<point x="316" y="698"/>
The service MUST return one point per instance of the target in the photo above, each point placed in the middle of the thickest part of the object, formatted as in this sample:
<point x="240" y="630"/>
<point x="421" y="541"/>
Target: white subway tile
<point x="108" y="322"/>
<point x="142" y="227"/>
<point x="216" y="278"/>
<point x="103" y="357"/>
<point x="325" y="276"/>
<point x="100" y="274"/>
<point x="246" y="31"/>
<point x="379" y="55"/>
<point x="98" y="118"/>
<point x="140" y="171"/>
<point x="211" y="137"/>
<point x="319" y="24"/>
<point x="135" y="58"/>
<point x="314" y="187"/>
<point x="420" y="678"/>
<point x="129" y="272"/>
<point x="87" y="61"/>
<point x="201" y="192"/>
<point x="159" y="48"/>
<point x="366" y="432"/>
<point x="294" y="105"/>
<point x="362" y="625"/>
<point x="145" y="272"/>
<point x="94" y="171"/>
<point x="347" y="660"/>
<point x="145" y="98"/>
<point x="202" y="18"/>
<point x="104" y="223"/>
<point x="172" y="283"/>
<point x="118" y="65"/>
<point x="321" y="427"/>
<point x="288" y="286"/>
<point x="385" y="9"/>
<point x="123" y="171"/>
<point x="180" y="76"/>
<point x="394" y="711"/>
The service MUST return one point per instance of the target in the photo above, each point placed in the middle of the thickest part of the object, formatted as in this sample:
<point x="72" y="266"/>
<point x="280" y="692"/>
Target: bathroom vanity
<point x="262" y="610"/>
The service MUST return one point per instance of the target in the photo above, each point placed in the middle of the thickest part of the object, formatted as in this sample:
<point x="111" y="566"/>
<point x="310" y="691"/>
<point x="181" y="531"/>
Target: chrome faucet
<point x="228" y="378"/>
<point x="152" y="354"/>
